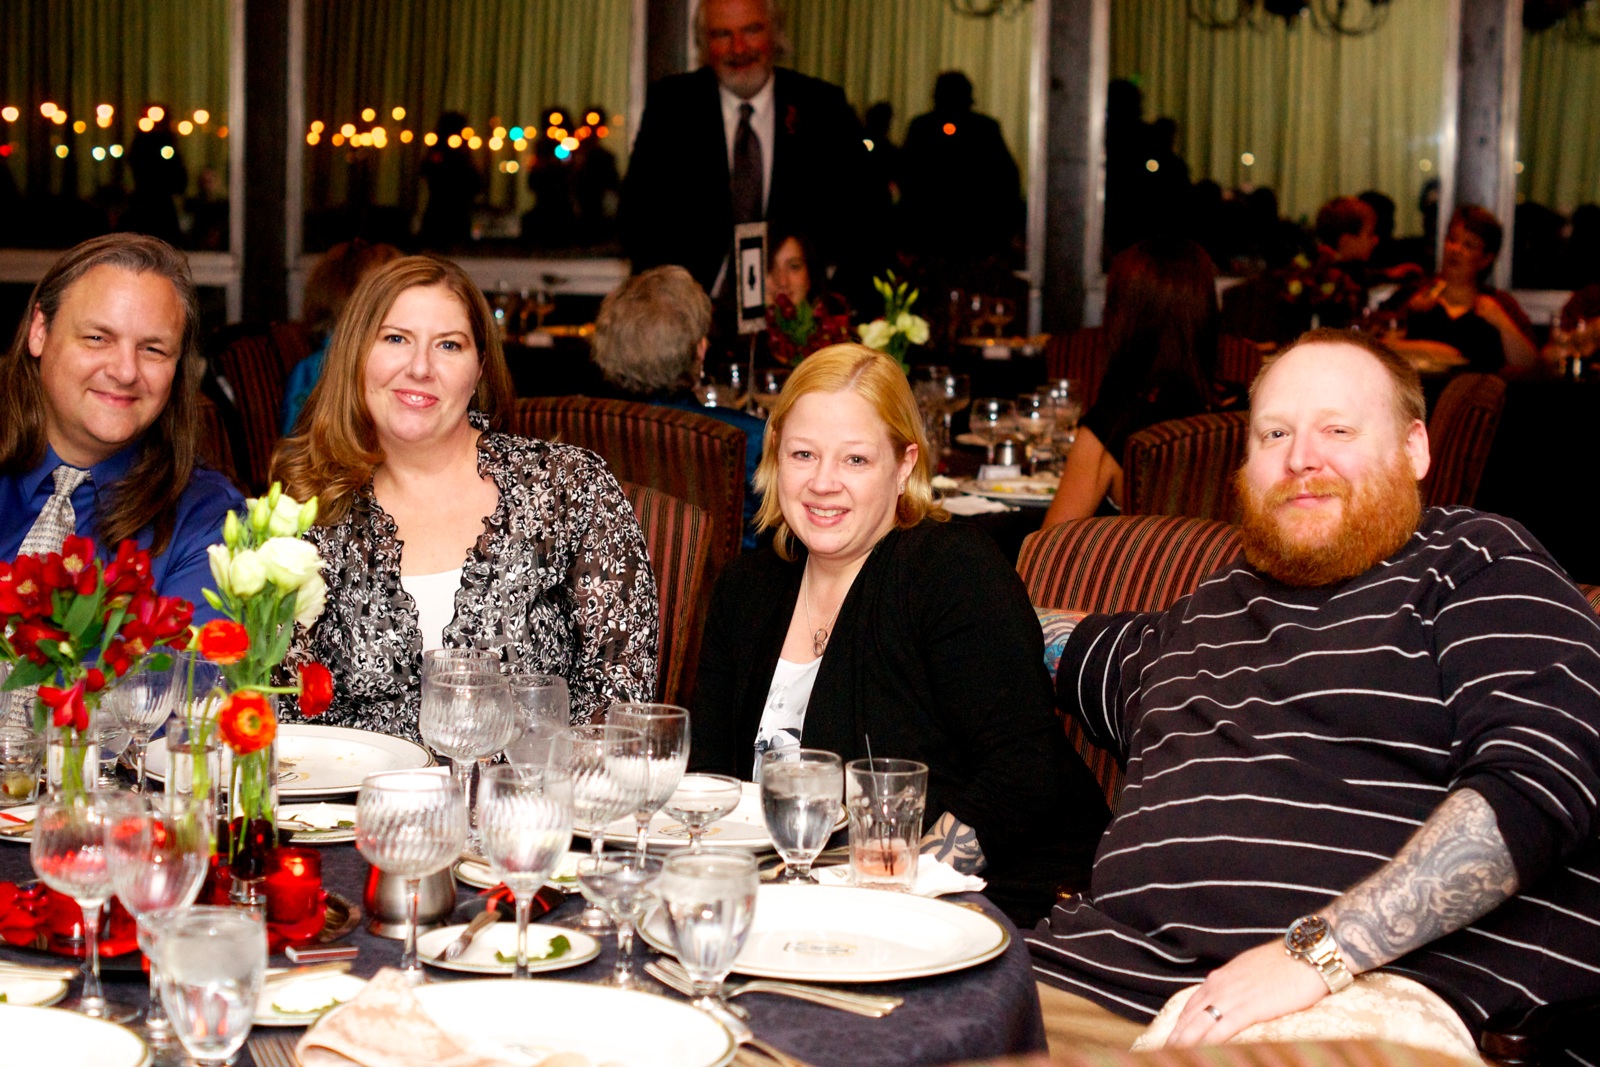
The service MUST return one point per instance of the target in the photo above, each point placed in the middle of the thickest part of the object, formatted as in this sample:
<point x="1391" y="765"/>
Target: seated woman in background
<point x="802" y="317"/>
<point x="328" y="289"/>
<point x="439" y="531"/>
<point x="869" y="620"/>
<point x="1161" y="329"/>
<point x="650" y="343"/>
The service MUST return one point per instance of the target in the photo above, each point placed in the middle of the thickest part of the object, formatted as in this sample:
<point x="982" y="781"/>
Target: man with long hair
<point x="1363" y="762"/>
<point x="99" y="430"/>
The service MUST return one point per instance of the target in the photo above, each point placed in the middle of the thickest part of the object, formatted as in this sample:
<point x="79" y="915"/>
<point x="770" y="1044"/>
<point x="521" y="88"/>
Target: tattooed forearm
<point x="956" y="843"/>
<point x="1454" y="870"/>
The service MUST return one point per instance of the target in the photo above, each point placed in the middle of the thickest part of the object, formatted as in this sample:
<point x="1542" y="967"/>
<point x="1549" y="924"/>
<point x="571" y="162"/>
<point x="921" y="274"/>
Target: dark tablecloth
<point x="989" y="1010"/>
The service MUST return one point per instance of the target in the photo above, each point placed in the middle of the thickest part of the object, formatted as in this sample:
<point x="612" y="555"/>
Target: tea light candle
<point x="295" y="885"/>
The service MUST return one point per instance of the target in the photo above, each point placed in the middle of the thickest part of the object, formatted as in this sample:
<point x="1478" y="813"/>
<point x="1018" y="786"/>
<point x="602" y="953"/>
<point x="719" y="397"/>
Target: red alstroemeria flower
<point x="246" y="722"/>
<point x="316" y="689"/>
<point x="23" y="590"/>
<point x="66" y="705"/>
<point x="117" y="657"/>
<point x="163" y="617"/>
<point x="129" y="572"/>
<point x="223" y="641"/>
<point x="27" y="636"/>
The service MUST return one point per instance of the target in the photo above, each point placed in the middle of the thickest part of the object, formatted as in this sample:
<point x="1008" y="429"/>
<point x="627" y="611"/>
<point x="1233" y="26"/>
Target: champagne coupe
<point x="622" y="883"/>
<point x="525" y="816"/>
<point x="800" y="793"/>
<point x="213" y="965"/>
<point x="700" y="800"/>
<point x="543" y="711"/>
<point x="1036" y="421"/>
<point x="990" y="419"/>
<point x="710" y="901"/>
<point x="69" y="853"/>
<point x="1002" y="310"/>
<point x="410" y="824"/>
<point x="157" y="848"/>
<point x="142" y="703"/>
<point x="609" y="779"/>
<point x="957" y="393"/>
<point x="664" y="729"/>
<point x="112" y="735"/>
<point x="467" y="716"/>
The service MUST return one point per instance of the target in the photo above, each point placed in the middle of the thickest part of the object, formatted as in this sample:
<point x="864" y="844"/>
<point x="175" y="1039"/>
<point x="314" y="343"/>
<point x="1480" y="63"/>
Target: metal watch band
<point x="1323" y="955"/>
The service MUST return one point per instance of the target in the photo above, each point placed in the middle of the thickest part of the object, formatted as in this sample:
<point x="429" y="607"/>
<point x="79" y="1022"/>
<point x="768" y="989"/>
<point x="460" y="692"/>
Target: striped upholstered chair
<point x="1185" y="467"/>
<point x="1238" y="359"/>
<point x="216" y="450"/>
<point x="1082" y="354"/>
<point x="256" y="363"/>
<point x="1123" y="563"/>
<point x="1460" y="433"/>
<point x="1592" y="593"/>
<point x="677" y="536"/>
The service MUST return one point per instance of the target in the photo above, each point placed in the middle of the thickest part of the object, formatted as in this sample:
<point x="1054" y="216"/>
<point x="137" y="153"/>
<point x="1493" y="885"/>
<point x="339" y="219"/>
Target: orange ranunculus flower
<point x="223" y="641"/>
<point x="246" y="722"/>
<point x="316" y="689"/>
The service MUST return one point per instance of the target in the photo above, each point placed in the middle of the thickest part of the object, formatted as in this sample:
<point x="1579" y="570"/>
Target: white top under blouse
<point x="435" y="595"/>
<point x="784" y="716"/>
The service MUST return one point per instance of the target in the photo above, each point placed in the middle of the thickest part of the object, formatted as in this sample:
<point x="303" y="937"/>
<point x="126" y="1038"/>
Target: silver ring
<point x="1211" y="1010"/>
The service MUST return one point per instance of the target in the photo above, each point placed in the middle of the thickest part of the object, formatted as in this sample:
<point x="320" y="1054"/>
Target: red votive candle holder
<point x="294" y="888"/>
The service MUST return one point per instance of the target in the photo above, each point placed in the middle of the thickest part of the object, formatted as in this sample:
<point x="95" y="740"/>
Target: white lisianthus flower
<point x="220" y="559"/>
<point x="309" y="600"/>
<point x="247" y="573"/>
<point x="915" y="327"/>
<point x="285" y="518"/>
<point x="877" y="334"/>
<point x="290" y="562"/>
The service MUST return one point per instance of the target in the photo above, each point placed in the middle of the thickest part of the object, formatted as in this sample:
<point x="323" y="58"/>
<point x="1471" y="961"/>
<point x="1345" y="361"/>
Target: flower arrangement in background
<point x="899" y="329"/>
<point x="1320" y="286"/>
<point x="794" y="332"/>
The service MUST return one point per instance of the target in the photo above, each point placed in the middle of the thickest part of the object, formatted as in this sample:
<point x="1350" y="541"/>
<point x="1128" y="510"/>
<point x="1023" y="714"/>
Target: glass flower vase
<point x="195" y="769"/>
<point x="252" y="824"/>
<point x="72" y="763"/>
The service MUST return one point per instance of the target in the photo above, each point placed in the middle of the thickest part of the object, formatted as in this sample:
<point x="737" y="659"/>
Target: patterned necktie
<point x="57" y="521"/>
<point x="747" y="180"/>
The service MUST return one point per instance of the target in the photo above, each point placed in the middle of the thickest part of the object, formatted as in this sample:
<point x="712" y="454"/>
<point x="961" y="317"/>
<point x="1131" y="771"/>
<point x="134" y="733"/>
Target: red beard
<point x="1378" y="516"/>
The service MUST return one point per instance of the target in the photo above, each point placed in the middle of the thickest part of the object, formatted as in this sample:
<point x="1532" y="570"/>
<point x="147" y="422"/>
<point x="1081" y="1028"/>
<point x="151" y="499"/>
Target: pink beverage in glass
<point x="885" y="799"/>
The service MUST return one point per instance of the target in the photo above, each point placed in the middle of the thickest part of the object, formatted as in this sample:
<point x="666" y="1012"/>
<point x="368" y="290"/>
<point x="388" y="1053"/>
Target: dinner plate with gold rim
<point x="302" y="1001"/>
<point x="67" y="1039"/>
<point x="495" y="945"/>
<point x="317" y="761"/>
<point x="31" y="992"/>
<point x="741" y="828"/>
<point x="480" y="875"/>
<point x="16" y="816"/>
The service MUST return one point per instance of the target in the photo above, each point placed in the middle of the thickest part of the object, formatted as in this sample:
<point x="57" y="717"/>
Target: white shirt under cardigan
<point x="435" y="595"/>
<point x="784" y="716"/>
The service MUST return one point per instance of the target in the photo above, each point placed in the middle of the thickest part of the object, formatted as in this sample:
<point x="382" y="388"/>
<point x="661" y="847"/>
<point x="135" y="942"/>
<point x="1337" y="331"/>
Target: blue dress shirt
<point x="182" y="570"/>
<point x="755" y="431"/>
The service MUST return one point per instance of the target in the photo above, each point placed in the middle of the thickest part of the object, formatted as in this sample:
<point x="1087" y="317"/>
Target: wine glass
<point x="700" y="800"/>
<point x="664" y="729"/>
<point x="927" y="385"/>
<point x="977" y="312"/>
<point x="800" y="793"/>
<point x="543" y="710"/>
<point x="609" y="779"/>
<point x="544" y="302"/>
<point x="525" y="816"/>
<point x="727" y="386"/>
<point x="143" y="703"/>
<point x="623" y="884"/>
<point x="410" y="823"/>
<point x="1001" y="311"/>
<point x="1036" y="421"/>
<point x="112" y="735"/>
<point x="157" y="850"/>
<point x="69" y="853"/>
<point x="710" y="901"/>
<point x="455" y="660"/>
<point x="466" y="715"/>
<point x="989" y="420"/>
<point x="213" y="964"/>
<point x="768" y="385"/>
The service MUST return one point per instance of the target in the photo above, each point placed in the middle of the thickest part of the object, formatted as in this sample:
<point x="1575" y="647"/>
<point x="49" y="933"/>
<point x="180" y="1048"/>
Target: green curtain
<point x="499" y="62"/>
<point x="80" y="54"/>
<point x="1323" y="116"/>
<point x="1558" y="136"/>
<point x="893" y="49"/>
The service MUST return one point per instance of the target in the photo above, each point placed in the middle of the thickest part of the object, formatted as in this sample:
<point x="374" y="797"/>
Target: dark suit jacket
<point x="936" y="656"/>
<point x="676" y="201"/>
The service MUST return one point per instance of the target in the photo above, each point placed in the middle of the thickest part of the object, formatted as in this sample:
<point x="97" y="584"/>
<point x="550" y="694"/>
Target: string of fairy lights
<point x="197" y="123"/>
<point x="566" y="131"/>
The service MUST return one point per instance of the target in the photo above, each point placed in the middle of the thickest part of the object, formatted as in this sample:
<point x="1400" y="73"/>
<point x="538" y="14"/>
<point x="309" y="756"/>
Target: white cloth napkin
<point x="935" y="878"/>
<point x="973" y="505"/>
<point x="385" y="1027"/>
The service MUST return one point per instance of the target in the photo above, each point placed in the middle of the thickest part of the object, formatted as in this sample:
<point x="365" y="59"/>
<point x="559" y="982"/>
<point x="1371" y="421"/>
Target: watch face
<point x="1304" y="934"/>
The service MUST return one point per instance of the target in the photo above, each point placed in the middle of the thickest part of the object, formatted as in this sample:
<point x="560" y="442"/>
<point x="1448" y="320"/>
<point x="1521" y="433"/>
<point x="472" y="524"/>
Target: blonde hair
<point x="879" y="381"/>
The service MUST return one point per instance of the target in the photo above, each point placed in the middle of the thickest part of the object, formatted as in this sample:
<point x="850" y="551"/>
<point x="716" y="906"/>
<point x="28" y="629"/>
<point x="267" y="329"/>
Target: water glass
<point x="467" y="716"/>
<point x="542" y="708"/>
<point x="885" y="800"/>
<point x="455" y="660"/>
<point x="213" y="963"/>
<point x="623" y="885"/>
<point x="525" y="819"/>
<point x="409" y="824"/>
<point x="800" y="792"/>
<point x="141" y="703"/>
<point x="664" y="729"/>
<point x="700" y="800"/>
<point x="609" y="780"/>
<point x="710" y="902"/>
<point x="21" y="763"/>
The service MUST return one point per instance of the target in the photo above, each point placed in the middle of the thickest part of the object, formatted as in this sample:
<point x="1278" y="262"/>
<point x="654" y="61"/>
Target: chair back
<point x="1591" y="593"/>
<point x="1185" y="467"/>
<point x="1238" y="360"/>
<point x="693" y="457"/>
<point x="216" y="450"/>
<point x="1082" y="354"/>
<point x="1120" y="563"/>
<point x="677" y="536"/>
<point x="1460" y="433"/>
<point x="256" y="365"/>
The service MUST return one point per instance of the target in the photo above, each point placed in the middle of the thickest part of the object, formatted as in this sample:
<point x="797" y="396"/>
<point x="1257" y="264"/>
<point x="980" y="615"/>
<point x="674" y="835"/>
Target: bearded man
<point x="1362" y="762"/>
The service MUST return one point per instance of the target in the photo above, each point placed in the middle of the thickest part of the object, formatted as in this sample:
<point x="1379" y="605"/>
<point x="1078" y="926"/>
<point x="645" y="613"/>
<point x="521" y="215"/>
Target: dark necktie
<point x="746" y="170"/>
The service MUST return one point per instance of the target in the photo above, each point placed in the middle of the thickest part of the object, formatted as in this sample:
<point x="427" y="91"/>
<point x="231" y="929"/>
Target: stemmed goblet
<point x="69" y="852"/>
<point x="609" y="779"/>
<point x="213" y="964"/>
<point x="410" y="823"/>
<point x="989" y="421"/>
<point x="700" y="800"/>
<point x="543" y="711"/>
<point x="710" y="901"/>
<point x="800" y="793"/>
<point x="664" y="729"/>
<point x="525" y="818"/>
<point x="142" y="703"/>
<point x="623" y="884"/>
<point x="466" y="715"/>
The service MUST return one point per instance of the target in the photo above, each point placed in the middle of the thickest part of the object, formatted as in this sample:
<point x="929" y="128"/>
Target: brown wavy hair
<point x="335" y="451"/>
<point x="880" y="382"/>
<point x="169" y="448"/>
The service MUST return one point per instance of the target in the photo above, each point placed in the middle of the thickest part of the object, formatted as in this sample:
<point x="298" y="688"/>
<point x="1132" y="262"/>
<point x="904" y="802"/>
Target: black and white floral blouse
<point x="559" y="583"/>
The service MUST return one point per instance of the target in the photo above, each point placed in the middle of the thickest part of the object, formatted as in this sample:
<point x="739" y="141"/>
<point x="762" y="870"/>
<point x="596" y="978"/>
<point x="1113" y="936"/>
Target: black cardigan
<point x="936" y="656"/>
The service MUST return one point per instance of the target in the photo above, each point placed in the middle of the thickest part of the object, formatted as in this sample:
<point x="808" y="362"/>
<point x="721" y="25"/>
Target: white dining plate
<point x="67" y="1039"/>
<point x="302" y="1001"/>
<point x="843" y="934"/>
<point x="479" y="875"/>
<point x="483" y="956"/>
<point x="31" y="992"/>
<point x="318" y="761"/>
<point x="741" y="828"/>
<point x="504" y="1019"/>
<point x="14" y="816"/>
<point x="1036" y="490"/>
<point x="331" y="824"/>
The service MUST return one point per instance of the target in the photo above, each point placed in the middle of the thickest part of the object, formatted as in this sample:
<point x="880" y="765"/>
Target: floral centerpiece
<point x="73" y="625"/>
<point x="796" y="331"/>
<point x="267" y="582"/>
<point x="899" y="329"/>
<point x="1322" y="288"/>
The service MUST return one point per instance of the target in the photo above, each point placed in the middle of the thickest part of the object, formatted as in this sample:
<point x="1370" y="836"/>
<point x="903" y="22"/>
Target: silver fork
<point x="273" y="1050"/>
<point x="671" y="974"/>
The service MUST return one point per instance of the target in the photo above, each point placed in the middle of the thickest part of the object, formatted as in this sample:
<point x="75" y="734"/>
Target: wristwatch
<point x="1310" y="940"/>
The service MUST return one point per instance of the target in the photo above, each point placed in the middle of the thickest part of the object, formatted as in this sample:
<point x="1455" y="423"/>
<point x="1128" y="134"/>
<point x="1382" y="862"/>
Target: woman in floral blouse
<point x="438" y="530"/>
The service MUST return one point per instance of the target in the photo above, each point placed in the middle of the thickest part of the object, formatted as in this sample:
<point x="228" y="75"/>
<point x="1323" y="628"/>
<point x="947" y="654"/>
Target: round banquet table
<point x="988" y="1010"/>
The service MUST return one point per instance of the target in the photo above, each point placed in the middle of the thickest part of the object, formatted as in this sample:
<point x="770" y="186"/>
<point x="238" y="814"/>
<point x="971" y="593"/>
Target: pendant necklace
<point x="819" y="634"/>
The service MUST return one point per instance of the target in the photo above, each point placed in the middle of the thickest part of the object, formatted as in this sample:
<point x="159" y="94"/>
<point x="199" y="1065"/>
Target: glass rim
<point x="740" y="862"/>
<point x="800" y="755"/>
<point x="524" y="772"/>
<point x="646" y="709"/>
<point x="214" y="913"/>
<point x="531" y="679"/>
<point x="720" y="779"/>
<point x="886" y="766"/>
<point x="427" y="778"/>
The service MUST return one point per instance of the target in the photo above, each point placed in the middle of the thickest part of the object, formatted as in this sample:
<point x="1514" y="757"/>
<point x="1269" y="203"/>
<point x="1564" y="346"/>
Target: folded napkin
<point x="384" y="1026"/>
<point x="935" y="878"/>
<point x="973" y="505"/>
